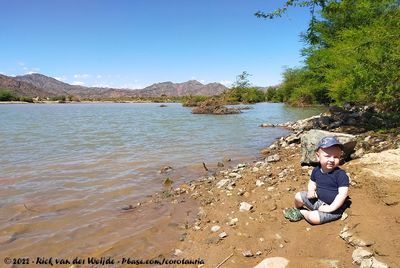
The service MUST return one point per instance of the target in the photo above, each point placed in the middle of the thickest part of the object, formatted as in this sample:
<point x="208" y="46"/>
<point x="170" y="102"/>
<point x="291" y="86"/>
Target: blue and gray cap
<point x="329" y="142"/>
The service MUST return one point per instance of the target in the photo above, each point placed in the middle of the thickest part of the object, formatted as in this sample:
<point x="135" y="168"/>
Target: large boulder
<point x="385" y="165"/>
<point x="310" y="140"/>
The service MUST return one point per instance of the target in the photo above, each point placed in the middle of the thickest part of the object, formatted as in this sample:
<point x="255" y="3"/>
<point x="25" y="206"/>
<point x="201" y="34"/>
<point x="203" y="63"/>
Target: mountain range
<point x="39" y="85"/>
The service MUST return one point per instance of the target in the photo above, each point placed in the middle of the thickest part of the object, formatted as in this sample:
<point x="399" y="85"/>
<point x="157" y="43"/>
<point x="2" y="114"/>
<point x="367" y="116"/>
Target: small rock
<point x="308" y="229"/>
<point x="233" y="221"/>
<point x="283" y="173"/>
<point x="258" y="253"/>
<point x="178" y="252"/>
<point x="274" y="262"/>
<point x="273" y="158"/>
<point x="255" y="169"/>
<point x="223" y="183"/>
<point x="359" y="254"/>
<point x="128" y="207"/>
<point x="390" y="201"/>
<point x="244" y="206"/>
<point x="220" y="164"/>
<point x="270" y="189"/>
<point x="344" y="216"/>
<point x="215" y="228"/>
<point x="259" y="183"/>
<point x="165" y="169"/>
<point x="222" y="235"/>
<point x="247" y="253"/>
<point x="202" y="213"/>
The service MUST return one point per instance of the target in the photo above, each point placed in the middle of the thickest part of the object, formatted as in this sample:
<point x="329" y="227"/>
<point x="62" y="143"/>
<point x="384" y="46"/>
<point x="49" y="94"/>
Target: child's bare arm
<point x="311" y="189"/>
<point x="338" y="202"/>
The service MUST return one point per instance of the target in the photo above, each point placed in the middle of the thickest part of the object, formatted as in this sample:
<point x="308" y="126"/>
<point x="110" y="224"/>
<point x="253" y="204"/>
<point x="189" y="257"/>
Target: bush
<point x="7" y="95"/>
<point x="26" y="99"/>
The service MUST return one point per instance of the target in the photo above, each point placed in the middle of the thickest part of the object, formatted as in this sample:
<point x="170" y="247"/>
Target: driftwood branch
<point x="222" y="262"/>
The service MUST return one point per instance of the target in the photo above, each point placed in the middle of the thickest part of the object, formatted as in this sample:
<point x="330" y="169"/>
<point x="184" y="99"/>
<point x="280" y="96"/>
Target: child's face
<point x="329" y="158"/>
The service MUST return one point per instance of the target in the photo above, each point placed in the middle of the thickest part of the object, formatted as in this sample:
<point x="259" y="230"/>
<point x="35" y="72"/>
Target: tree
<point x="352" y="53"/>
<point x="243" y="92"/>
<point x="242" y="80"/>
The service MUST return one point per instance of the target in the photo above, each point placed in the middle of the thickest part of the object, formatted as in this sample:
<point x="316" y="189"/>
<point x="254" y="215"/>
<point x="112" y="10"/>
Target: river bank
<point x="239" y="222"/>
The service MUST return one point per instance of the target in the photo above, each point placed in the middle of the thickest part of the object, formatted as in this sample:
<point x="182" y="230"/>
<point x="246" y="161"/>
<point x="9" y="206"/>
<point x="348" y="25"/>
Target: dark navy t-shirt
<point x="328" y="183"/>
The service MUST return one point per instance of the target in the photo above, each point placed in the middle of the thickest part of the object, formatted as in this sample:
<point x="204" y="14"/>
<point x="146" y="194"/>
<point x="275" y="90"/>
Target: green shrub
<point x="7" y="95"/>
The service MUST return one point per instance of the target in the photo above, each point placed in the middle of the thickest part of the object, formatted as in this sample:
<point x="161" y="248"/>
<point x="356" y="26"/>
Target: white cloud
<point x="62" y="78"/>
<point x="32" y="72"/>
<point x="98" y="76"/>
<point x="81" y="76"/>
<point x="78" y="83"/>
<point x="226" y="83"/>
<point x="101" y="85"/>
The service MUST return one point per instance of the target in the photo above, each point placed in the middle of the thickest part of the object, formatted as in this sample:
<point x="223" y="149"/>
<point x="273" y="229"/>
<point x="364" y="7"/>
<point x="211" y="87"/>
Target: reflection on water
<point x="67" y="169"/>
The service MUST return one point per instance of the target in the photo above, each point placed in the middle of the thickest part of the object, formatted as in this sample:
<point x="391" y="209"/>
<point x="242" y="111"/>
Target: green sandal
<point x="293" y="214"/>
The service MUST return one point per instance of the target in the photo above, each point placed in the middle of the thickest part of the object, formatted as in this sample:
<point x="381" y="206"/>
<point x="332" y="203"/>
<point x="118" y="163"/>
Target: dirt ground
<point x="263" y="232"/>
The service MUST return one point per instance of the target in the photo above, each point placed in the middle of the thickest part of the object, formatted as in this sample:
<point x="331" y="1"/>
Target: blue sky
<point x="135" y="43"/>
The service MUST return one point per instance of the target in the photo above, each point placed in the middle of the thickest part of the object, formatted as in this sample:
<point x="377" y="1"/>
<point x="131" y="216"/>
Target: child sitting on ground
<point x="327" y="189"/>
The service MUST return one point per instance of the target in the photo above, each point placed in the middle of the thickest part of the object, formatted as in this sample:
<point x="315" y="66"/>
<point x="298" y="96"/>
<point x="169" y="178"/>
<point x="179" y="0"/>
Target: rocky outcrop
<point x="310" y="139"/>
<point x="385" y="165"/>
<point x="356" y="119"/>
<point x="212" y="106"/>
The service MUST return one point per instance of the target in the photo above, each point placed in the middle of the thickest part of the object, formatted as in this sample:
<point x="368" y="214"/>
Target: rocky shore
<point x="239" y="221"/>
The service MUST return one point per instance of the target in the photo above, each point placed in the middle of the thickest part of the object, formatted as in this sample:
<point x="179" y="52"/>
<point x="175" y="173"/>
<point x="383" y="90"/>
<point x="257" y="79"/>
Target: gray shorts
<point x="314" y="204"/>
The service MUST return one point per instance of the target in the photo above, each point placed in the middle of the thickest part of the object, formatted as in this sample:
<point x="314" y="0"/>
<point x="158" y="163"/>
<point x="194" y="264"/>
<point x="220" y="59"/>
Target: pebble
<point x="255" y="169"/>
<point x="215" y="228"/>
<point x="259" y="183"/>
<point x="270" y="189"/>
<point x="244" y="206"/>
<point x="222" y="183"/>
<point x="178" y="252"/>
<point x="273" y="158"/>
<point x="222" y="235"/>
<point x="233" y="221"/>
<point x="247" y="253"/>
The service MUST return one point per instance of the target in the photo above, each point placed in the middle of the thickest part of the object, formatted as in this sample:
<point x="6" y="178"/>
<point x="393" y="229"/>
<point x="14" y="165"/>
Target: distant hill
<point x="22" y="88"/>
<point x="33" y="85"/>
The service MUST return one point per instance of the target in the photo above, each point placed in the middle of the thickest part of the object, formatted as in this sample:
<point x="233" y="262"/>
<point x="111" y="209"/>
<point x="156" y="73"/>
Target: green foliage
<point x="192" y="101"/>
<point x="7" y="95"/>
<point x="26" y="99"/>
<point x="243" y="92"/>
<point x="353" y="54"/>
<point x="59" y="98"/>
<point x="242" y="80"/>
<point x="244" y="95"/>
